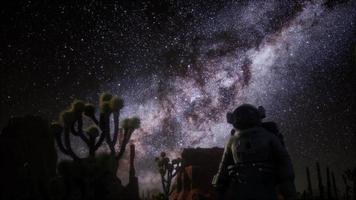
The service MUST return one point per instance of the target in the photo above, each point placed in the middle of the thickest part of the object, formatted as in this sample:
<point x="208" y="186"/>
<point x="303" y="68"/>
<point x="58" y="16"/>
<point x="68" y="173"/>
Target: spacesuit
<point x="255" y="161"/>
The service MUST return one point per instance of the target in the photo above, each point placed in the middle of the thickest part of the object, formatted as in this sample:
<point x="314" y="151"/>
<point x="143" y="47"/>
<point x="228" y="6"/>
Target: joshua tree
<point x="168" y="170"/>
<point x="71" y="123"/>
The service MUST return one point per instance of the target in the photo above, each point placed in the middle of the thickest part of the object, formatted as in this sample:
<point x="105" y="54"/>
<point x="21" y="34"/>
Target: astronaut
<point x="255" y="163"/>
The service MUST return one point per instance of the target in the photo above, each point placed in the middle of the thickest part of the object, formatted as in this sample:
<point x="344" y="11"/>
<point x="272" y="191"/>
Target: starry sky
<point x="181" y="65"/>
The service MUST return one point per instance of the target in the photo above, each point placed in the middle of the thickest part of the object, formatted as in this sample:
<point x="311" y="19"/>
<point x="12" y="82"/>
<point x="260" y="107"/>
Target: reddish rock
<point x="194" y="181"/>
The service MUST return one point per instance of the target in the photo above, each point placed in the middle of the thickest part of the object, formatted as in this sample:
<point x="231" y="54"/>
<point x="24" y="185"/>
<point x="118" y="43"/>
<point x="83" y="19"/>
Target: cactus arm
<point x="91" y="146"/>
<point x="60" y="145"/>
<point x="127" y="136"/>
<point x="89" y="111"/>
<point x="163" y="183"/>
<point x="80" y="131"/>
<point x="67" y="144"/>
<point x="116" y="127"/>
<point x="122" y="150"/>
<point x="80" y="125"/>
<point x="109" y="142"/>
<point x="169" y="178"/>
<point x="94" y="119"/>
<point x="176" y="167"/>
<point x="175" y="172"/>
<point x="169" y="191"/>
<point x="102" y="135"/>
<point x="105" y="127"/>
<point x="73" y="131"/>
<point x="100" y="141"/>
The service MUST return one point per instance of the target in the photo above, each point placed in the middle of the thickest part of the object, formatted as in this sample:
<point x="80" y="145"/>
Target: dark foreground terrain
<point x="29" y="170"/>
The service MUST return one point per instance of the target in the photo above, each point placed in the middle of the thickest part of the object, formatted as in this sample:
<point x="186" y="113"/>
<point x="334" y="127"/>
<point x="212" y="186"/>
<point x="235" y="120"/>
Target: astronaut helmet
<point x="245" y="116"/>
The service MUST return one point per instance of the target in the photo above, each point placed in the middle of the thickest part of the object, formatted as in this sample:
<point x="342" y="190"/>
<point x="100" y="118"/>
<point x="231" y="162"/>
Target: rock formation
<point x="194" y="180"/>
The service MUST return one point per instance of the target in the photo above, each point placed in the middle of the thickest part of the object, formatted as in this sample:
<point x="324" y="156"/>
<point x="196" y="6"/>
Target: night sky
<point x="181" y="65"/>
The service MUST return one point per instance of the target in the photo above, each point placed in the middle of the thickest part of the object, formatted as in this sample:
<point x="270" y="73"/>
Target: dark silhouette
<point x="199" y="165"/>
<point x="328" y="184"/>
<point x="320" y="182"/>
<point x="255" y="161"/>
<point x="71" y="123"/>
<point x="347" y="187"/>
<point x="89" y="178"/>
<point x="168" y="170"/>
<point x="28" y="159"/>
<point x="336" y="193"/>
<point x="94" y="177"/>
<point x="310" y="189"/>
<point x="132" y="189"/>
<point x="269" y="126"/>
<point x="350" y="179"/>
<point x="29" y="162"/>
<point x="332" y="190"/>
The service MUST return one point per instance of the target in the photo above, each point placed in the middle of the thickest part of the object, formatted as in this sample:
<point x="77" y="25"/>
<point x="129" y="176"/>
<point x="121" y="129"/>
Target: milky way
<point x="181" y="65"/>
<point x="240" y="55"/>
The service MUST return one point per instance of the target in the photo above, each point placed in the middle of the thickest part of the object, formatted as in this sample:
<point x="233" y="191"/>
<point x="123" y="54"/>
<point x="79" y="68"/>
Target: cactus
<point x="168" y="170"/>
<point x="93" y="132"/>
<point x="320" y="182"/>
<point x="310" y="189"/>
<point x="71" y="123"/>
<point x="128" y="126"/>
<point x="132" y="172"/>
<point x="328" y="183"/>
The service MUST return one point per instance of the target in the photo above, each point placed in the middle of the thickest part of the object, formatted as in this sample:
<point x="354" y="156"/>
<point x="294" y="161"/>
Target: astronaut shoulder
<point x="233" y="139"/>
<point x="273" y="137"/>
